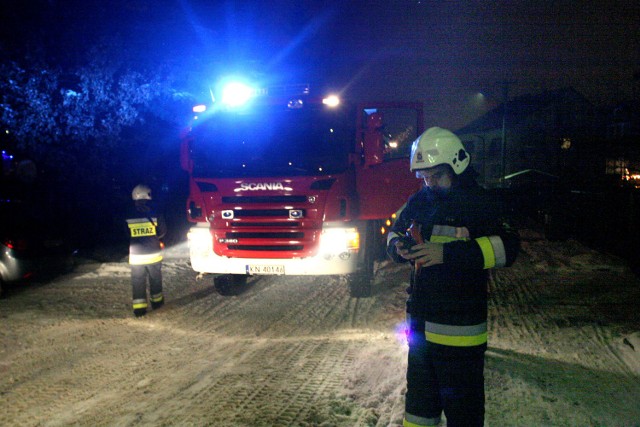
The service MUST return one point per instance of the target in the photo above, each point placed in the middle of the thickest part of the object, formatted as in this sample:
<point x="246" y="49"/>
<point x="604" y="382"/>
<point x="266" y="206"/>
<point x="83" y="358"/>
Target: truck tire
<point x="230" y="284"/>
<point x="361" y="283"/>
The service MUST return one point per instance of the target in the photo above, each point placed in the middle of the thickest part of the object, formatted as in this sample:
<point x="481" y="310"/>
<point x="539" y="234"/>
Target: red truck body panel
<point x="279" y="220"/>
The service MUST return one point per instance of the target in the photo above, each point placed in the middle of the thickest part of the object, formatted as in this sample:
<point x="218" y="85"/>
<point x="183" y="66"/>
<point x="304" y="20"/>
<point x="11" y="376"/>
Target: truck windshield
<point x="277" y="142"/>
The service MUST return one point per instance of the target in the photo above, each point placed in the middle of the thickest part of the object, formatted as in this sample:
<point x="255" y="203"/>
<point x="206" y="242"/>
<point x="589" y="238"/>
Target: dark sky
<point x="440" y="52"/>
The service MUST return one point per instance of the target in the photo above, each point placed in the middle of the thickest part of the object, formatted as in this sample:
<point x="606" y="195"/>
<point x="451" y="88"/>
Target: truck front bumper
<point x="204" y="260"/>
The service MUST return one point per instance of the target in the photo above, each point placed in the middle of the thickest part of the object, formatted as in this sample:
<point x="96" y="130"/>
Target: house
<point x="542" y="133"/>
<point x="622" y="140"/>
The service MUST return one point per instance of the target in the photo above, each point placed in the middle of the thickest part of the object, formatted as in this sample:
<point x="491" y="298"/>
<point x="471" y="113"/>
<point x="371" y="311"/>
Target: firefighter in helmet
<point x="453" y="233"/>
<point x="146" y="228"/>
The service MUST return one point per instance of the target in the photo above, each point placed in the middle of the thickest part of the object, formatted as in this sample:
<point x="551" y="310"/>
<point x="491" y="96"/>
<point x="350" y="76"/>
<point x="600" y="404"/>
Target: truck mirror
<point x="185" y="160"/>
<point x="373" y="140"/>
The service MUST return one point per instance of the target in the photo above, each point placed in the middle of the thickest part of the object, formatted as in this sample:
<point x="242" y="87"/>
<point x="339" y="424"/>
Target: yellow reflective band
<point x="139" y="305"/>
<point x="457" y="341"/>
<point x="156" y="298"/>
<point x="443" y="230"/>
<point x="446" y="234"/>
<point x="487" y="252"/>
<point x="145" y="259"/>
<point x="424" y="422"/>
<point x="142" y="229"/>
<point x="442" y="239"/>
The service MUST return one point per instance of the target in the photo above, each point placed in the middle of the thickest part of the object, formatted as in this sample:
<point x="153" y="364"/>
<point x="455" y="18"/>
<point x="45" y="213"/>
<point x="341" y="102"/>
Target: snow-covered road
<point x="298" y="351"/>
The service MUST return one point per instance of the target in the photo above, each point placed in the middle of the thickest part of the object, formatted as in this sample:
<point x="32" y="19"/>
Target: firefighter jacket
<point x="452" y="297"/>
<point x="146" y="228"/>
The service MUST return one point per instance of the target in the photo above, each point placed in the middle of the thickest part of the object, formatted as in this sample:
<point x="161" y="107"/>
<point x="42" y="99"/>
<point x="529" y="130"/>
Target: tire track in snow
<point x="273" y="306"/>
<point x="297" y="351"/>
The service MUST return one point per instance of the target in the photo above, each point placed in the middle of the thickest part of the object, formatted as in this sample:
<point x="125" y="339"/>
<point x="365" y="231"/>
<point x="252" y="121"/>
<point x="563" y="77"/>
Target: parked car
<point x="31" y="245"/>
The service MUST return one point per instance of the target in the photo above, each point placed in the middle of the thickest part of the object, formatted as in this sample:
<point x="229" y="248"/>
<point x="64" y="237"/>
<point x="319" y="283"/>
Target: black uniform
<point x="146" y="228"/>
<point x="447" y="305"/>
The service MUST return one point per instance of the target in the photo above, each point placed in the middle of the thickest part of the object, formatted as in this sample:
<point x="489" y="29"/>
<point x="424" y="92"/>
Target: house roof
<point x="519" y="108"/>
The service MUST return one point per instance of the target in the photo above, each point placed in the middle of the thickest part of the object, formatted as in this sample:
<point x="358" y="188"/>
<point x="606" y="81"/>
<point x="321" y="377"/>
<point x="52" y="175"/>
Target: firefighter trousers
<point x="444" y="379"/>
<point x="139" y="275"/>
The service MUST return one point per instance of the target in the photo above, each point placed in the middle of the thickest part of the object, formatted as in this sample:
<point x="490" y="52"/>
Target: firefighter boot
<point x="139" y="312"/>
<point x="157" y="301"/>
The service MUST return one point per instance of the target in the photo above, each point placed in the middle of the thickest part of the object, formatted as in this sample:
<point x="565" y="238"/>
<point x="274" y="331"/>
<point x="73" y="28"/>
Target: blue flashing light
<point x="236" y="94"/>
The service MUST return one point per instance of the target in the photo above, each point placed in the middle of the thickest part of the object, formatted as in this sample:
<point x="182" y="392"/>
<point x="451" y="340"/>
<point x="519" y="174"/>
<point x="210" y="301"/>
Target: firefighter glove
<point x="426" y="254"/>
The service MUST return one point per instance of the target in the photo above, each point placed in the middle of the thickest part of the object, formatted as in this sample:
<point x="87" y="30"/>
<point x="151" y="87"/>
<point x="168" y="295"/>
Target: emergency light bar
<point x="234" y="94"/>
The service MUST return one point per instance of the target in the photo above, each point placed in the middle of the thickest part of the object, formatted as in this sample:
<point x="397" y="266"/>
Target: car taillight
<point x="18" y="245"/>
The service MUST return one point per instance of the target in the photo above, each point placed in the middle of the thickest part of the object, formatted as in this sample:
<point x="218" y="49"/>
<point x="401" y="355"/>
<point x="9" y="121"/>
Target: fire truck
<point x="286" y="182"/>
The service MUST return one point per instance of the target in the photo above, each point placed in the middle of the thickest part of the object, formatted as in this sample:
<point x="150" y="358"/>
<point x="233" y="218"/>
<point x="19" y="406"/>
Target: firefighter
<point x="452" y="233"/>
<point x="146" y="228"/>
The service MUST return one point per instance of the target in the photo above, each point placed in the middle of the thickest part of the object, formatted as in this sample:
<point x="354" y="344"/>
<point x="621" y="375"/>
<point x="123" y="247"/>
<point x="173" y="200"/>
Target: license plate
<point x="265" y="269"/>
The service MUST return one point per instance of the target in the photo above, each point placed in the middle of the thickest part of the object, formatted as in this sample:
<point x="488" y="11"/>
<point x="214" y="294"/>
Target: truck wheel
<point x="361" y="283"/>
<point x="229" y="284"/>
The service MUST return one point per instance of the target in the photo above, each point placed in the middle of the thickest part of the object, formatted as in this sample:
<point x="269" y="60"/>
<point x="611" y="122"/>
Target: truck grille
<point x="268" y="235"/>
<point x="244" y="200"/>
<point x="263" y="225"/>
<point x="291" y="224"/>
<point x="266" y="248"/>
<point x="262" y="212"/>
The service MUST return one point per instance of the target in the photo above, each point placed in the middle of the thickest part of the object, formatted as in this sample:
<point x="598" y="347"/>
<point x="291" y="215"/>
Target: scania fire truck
<point x="283" y="182"/>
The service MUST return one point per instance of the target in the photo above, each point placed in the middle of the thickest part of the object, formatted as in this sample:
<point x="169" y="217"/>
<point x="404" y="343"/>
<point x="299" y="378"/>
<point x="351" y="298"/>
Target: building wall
<point x="540" y="137"/>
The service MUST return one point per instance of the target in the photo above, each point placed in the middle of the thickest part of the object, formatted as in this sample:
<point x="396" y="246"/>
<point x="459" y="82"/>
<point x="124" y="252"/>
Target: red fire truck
<point x="282" y="182"/>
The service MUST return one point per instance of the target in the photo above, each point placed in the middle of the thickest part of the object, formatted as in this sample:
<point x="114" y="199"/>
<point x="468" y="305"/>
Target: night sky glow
<point x="440" y="52"/>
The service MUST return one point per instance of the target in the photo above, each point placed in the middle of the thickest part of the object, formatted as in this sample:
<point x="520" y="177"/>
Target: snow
<point x="564" y="347"/>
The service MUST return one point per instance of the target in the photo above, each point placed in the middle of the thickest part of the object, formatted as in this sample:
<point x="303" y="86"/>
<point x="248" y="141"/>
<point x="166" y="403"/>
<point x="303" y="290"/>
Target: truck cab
<point x="289" y="184"/>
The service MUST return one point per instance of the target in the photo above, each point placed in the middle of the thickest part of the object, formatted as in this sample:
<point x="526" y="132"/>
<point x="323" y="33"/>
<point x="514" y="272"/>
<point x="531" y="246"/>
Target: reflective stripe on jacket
<point x="456" y="336"/>
<point x="145" y="230"/>
<point x="452" y="297"/>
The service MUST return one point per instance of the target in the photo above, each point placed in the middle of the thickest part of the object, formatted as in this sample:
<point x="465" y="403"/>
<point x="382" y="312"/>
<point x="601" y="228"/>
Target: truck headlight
<point x="335" y="241"/>
<point x="200" y="239"/>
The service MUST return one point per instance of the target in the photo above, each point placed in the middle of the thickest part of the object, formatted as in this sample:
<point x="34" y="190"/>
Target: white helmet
<point x="141" y="192"/>
<point x="437" y="146"/>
